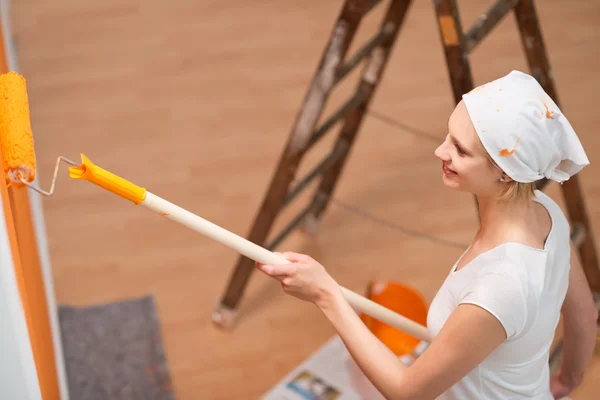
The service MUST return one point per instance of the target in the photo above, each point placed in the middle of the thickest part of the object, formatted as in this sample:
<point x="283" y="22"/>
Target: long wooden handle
<point x="262" y="255"/>
<point x="109" y="181"/>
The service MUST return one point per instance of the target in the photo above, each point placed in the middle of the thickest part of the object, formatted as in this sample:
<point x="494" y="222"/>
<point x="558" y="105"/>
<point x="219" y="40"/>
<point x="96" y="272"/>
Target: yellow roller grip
<point x="107" y="180"/>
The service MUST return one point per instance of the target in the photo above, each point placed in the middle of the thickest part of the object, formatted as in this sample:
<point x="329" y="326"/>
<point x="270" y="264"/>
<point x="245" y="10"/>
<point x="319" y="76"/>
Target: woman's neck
<point x="498" y="220"/>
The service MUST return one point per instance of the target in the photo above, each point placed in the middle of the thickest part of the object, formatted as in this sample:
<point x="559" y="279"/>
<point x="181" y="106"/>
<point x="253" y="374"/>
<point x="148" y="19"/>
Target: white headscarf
<point x="523" y="129"/>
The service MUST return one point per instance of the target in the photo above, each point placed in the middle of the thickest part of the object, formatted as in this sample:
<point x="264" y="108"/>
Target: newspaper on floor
<point x="330" y="373"/>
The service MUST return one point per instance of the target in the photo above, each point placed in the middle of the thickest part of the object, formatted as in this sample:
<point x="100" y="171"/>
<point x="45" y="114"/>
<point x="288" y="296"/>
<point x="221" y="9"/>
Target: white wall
<point x="18" y="376"/>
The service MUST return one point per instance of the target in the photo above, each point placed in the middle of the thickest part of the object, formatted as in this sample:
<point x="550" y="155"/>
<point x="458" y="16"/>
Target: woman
<point x="493" y="319"/>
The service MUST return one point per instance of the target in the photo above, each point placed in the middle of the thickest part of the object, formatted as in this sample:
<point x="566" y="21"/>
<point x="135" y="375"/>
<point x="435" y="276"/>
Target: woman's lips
<point x="448" y="171"/>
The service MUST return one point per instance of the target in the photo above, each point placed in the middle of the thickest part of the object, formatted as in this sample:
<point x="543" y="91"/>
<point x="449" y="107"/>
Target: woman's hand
<point x="303" y="278"/>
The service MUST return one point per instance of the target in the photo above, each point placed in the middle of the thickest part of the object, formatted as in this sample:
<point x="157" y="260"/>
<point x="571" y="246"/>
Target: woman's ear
<point x="505" y="178"/>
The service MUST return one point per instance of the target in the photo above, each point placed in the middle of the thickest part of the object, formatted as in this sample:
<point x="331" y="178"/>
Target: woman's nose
<point x="442" y="153"/>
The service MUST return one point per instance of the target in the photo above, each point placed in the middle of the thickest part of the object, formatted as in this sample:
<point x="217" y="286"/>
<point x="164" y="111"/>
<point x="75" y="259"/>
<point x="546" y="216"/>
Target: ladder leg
<point x="302" y="130"/>
<point x="537" y="58"/>
<point x="533" y="44"/>
<point x="370" y="78"/>
<point x="535" y="51"/>
<point x="451" y="33"/>
<point x="459" y="69"/>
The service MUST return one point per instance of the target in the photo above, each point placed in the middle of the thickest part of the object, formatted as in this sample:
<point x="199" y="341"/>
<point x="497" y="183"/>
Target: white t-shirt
<point x="524" y="288"/>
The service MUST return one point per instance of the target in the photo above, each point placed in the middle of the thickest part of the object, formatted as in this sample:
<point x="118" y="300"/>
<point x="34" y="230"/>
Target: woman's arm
<point x="580" y="318"/>
<point x="381" y="366"/>
<point x="443" y="364"/>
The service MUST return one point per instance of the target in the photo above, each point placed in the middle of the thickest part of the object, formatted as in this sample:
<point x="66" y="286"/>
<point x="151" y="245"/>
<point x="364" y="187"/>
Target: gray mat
<point x="114" y="351"/>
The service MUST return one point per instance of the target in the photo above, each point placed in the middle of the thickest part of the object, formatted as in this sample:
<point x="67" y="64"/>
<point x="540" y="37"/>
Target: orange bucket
<point x="404" y="300"/>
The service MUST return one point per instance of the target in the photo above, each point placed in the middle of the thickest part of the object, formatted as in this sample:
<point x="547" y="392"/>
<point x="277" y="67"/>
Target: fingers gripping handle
<point x="262" y="255"/>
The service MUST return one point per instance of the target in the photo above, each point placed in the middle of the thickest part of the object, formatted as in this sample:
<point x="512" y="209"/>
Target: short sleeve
<point x="502" y="295"/>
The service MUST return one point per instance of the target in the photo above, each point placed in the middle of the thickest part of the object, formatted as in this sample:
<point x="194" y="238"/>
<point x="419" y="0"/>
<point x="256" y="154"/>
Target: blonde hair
<point x="514" y="191"/>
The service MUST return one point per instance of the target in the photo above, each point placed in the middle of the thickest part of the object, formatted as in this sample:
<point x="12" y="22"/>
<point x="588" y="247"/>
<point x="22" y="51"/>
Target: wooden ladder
<point x="332" y="67"/>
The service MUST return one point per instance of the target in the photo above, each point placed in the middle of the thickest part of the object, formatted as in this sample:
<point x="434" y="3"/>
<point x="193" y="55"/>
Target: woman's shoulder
<point x="513" y="261"/>
<point x="552" y="206"/>
<point x="561" y="228"/>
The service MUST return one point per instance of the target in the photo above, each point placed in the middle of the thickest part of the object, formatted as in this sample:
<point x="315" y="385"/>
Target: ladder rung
<point x="325" y="163"/>
<point x="290" y="227"/>
<point x="354" y="101"/>
<point x="578" y="235"/>
<point x="364" y="51"/>
<point x="372" y="4"/>
<point x="487" y="22"/>
<point x="367" y="4"/>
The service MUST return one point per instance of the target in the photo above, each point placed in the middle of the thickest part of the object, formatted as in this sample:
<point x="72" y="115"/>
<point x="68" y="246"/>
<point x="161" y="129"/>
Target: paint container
<point x="406" y="301"/>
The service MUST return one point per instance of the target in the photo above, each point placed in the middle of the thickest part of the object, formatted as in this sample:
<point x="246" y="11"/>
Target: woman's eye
<point x="460" y="151"/>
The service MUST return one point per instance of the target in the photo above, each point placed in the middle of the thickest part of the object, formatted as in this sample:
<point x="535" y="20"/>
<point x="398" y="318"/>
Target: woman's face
<point x="464" y="164"/>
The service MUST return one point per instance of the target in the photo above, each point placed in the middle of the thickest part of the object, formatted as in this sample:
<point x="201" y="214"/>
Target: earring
<point x="501" y="179"/>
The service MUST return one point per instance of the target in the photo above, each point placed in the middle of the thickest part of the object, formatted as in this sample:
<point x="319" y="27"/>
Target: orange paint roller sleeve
<point x="18" y="160"/>
<point x="16" y="138"/>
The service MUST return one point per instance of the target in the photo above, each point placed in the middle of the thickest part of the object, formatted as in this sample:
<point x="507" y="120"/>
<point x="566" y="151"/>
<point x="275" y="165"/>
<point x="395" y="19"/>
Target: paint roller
<point x="17" y="147"/>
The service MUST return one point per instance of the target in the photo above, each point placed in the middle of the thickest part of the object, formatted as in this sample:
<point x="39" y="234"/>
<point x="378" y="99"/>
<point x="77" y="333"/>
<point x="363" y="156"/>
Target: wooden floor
<point x="195" y="100"/>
